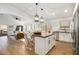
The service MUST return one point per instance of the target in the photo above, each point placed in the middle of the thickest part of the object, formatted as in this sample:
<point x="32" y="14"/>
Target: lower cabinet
<point x="43" y="45"/>
<point x="50" y="42"/>
<point x="65" y="37"/>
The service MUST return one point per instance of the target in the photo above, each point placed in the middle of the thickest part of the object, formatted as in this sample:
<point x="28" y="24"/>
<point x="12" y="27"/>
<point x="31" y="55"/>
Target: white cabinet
<point x="50" y="42"/>
<point x="43" y="45"/>
<point x="65" y="37"/>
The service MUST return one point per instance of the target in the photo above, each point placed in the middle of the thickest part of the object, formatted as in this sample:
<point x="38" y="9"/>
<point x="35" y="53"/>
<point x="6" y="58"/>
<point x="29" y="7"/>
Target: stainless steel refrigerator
<point x="76" y="32"/>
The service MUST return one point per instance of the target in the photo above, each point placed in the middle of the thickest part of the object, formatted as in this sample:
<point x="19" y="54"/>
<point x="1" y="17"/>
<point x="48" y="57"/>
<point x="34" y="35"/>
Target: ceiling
<point x="51" y="10"/>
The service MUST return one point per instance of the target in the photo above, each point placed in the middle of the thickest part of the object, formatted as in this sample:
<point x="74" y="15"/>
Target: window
<point x="19" y="28"/>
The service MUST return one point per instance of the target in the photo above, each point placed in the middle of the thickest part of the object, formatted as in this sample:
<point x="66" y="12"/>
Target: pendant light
<point x="36" y="17"/>
<point x="41" y="18"/>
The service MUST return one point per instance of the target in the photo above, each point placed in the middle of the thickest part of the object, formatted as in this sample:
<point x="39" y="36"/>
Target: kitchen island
<point x="43" y="44"/>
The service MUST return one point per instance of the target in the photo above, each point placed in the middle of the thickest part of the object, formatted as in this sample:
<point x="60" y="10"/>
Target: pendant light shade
<point x="36" y="17"/>
<point x="41" y="18"/>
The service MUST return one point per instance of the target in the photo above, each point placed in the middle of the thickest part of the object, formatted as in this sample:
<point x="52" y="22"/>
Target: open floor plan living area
<point x="39" y="29"/>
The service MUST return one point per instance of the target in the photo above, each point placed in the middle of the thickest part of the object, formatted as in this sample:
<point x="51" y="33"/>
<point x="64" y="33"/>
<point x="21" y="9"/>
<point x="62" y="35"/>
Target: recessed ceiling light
<point x="53" y="13"/>
<point x="65" y="10"/>
<point x="41" y="20"/>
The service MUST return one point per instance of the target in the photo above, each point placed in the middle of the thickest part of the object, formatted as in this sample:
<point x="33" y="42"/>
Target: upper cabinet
<point x="65" y="25"/>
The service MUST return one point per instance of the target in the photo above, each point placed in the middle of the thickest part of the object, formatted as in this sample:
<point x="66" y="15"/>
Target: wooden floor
<point x="15" y="47"/>
<point x="62" y="48"/>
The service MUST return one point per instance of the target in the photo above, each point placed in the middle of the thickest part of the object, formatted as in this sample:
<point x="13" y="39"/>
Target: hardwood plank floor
<point x="62" y="48"/>
<point x="15" y="47"/>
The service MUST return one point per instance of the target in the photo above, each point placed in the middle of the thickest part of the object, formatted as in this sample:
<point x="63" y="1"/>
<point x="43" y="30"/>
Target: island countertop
<point x="44" y="36"/>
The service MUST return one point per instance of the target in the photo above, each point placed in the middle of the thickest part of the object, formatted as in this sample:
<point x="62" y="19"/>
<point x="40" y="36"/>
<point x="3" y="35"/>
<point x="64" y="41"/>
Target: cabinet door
<point x="47" y="44"/>
<point x="51" y="42"/>
<point x="65" y="37"/>
<point x="61" y="36"/>
<point x="68" y="37"/>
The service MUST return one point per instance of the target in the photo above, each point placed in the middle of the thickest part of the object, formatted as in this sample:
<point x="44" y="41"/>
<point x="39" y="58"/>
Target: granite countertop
<point x="62" y="32"/>
<point x="44" y="36"/>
